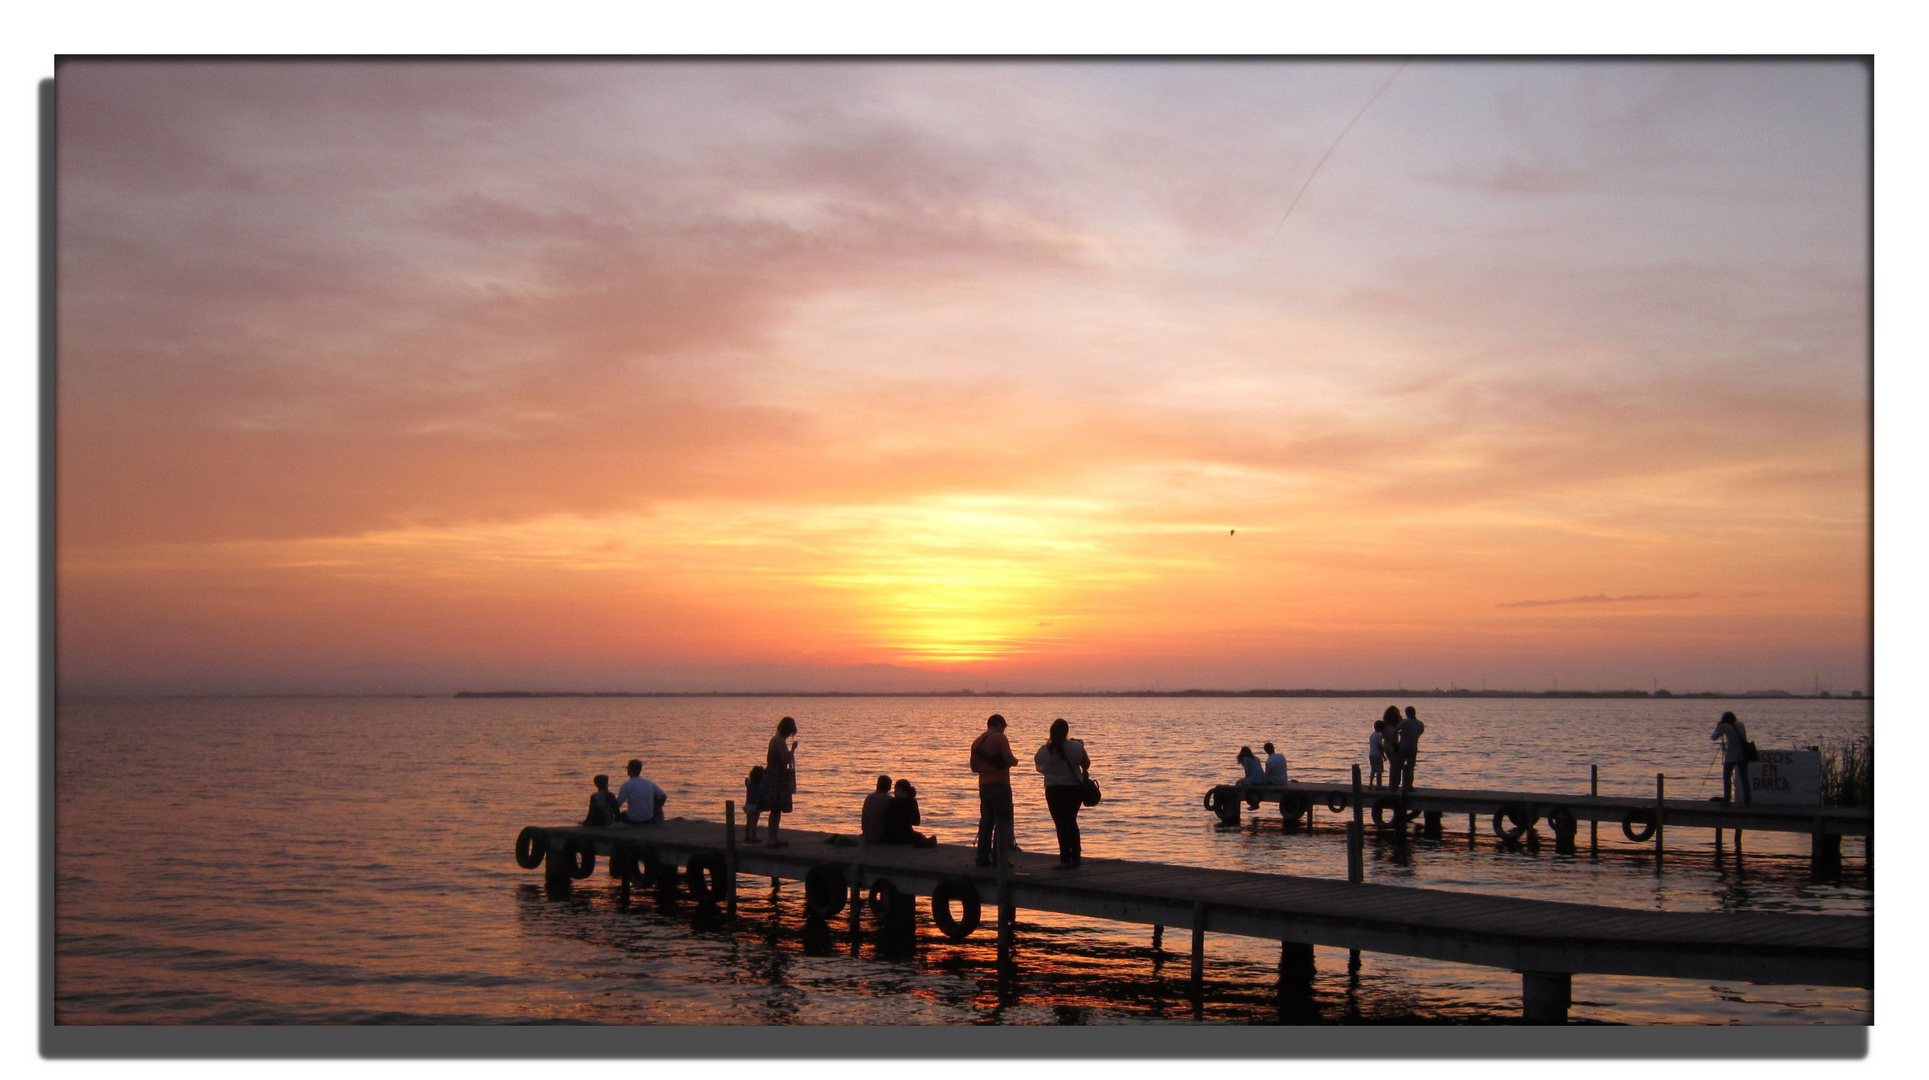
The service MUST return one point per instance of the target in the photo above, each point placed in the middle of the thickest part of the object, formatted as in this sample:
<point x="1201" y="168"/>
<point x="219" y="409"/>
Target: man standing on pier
<point x="1410" y="731"/>
<point x="992" y="759"/>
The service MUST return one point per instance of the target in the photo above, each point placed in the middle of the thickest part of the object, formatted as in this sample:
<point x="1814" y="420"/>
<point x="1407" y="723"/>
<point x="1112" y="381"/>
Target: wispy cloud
<point x="1603" y="598"/>
<point x="731" y="363"/>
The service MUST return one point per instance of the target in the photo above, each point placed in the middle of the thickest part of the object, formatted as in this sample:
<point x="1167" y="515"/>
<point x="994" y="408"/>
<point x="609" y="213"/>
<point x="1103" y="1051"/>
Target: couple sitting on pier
<point x="1271" y="771"/>
<point x="890" y="814"/>
<point x="626" y="807"/>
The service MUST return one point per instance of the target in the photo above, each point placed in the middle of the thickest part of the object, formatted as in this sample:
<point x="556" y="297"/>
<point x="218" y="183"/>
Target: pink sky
<point x="419" y="377"/>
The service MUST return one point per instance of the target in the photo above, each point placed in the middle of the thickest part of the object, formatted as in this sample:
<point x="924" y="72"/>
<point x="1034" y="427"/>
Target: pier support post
<point x="1545" y="996"/>
<point x="730" y="856"/>
<point x="1594" y="827"/>
<point x="1199" y="947"/>
<point x="1473" y="829"/>
<point x="1431" y="825"/>
<point x="1356" y="835"/>
<point x="857" y="901"/>
<point x="1007" y="914"/>
<point x="556" y="869"/>
<point x="1158" y="938"/>
<point x="1660" y="797"/>
<point x="1825" y="854"/>
<point x="1296" y="969"/>
<point x="1564" y="838"/>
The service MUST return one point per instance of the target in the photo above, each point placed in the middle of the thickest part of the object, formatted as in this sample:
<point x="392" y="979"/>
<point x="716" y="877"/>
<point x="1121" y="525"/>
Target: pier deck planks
<point x="1495" y="931"/>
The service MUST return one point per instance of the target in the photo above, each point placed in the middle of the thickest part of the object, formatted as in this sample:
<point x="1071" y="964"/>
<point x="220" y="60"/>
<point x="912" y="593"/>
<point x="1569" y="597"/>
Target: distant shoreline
<point x="1661" y="695"/>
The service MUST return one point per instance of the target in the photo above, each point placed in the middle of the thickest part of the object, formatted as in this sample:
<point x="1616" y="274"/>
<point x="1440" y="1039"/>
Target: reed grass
<point x="1848" y="773"/>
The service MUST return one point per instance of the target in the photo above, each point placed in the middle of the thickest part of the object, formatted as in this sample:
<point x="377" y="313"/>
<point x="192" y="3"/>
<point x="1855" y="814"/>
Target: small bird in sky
<point x="1229" y="532"/>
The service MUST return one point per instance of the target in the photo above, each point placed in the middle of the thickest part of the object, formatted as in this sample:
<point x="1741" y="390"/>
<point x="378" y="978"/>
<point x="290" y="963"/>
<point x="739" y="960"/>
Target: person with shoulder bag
<point x="1066" y="769"/>
<point x="1735" y="757"/>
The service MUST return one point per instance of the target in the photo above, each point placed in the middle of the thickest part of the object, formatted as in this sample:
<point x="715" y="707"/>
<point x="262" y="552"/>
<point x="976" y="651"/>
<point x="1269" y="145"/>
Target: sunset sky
<point x="424" y="377"/>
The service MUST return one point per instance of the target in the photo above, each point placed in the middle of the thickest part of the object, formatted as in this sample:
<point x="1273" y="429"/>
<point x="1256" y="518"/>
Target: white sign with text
<point x="1787" y="777"/>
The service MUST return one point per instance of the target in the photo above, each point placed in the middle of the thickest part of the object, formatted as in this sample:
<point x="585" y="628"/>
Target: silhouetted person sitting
<point x="638" y="793"/>
<point x="876" y="806"/>
<point x="602" y="804"/>
<point x="1255" y="773"/>
<point x="902" y="815"/>
<point x="1275" y="765"/>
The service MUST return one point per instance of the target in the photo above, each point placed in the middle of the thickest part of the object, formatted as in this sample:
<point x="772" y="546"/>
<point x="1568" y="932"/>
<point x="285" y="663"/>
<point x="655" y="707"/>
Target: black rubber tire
<point x="1561" y="820"/>
<point x="890" y="905"/>
<point x="965" y="892"/>
<point x="581" y="853"/>
<point x="1294" y="804"/>
<point x="825" y="890"/>
<point x="706" y="873"/>
<point x="1388" y="802"/>
<point x="1520" y="817"/>
<point x="1643" y="815"/>
<point x="1225" y="804"/>
<point x="532" y="844"/>
<point x="1337" y="801"/>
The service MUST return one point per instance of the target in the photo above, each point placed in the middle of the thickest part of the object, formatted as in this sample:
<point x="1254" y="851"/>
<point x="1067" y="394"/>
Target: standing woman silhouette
<point x="780" y="777"/>
<point x="1064" y="764"/>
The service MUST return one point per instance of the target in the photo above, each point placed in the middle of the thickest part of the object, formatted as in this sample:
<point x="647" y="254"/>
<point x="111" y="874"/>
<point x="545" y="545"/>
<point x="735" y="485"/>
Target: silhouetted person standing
<point x="1376" y="752"/>
<point x="1063" y="763"/>
<point x="1734" y="758"/>
<point x="1410" y="731"/>
<point x="1390" y="742"/>
<point x="992" y="759"/>
<point x="780" y="777"/>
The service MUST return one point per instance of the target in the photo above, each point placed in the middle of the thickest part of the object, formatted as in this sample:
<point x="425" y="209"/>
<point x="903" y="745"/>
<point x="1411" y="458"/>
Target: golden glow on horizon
<point x="976" y="372"/>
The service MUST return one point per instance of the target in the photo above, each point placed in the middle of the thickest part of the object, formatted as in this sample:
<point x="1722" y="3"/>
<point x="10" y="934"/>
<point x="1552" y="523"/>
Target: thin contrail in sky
<point x="1335" y="146"/>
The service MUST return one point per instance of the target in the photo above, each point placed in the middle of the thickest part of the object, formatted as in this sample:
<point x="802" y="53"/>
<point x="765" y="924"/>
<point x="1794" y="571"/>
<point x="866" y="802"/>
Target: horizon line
<point x="1308" y="692"/>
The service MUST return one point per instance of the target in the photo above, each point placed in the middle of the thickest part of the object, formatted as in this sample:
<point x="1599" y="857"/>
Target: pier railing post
<point x="1660" y="796"/>
<point x="730" y="856"/>
<point x="1594" y="826"/>
<point x="1356" y="835"/>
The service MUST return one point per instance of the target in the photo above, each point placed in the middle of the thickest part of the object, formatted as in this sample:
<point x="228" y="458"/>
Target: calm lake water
<point x="348" y="860"/>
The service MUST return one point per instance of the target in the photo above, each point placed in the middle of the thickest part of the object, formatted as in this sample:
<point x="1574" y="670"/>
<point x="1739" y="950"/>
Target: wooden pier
<point x="1509" y="816"/>
<point x="1546" y="942"/>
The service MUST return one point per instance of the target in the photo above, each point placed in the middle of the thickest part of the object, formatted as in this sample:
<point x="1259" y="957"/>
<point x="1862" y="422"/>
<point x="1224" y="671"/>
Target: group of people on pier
<point x="637" y="802"/>
<point x="1066" y="768"/>
<point x="890" y="815"/>
<point x="1395" y="741"/>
